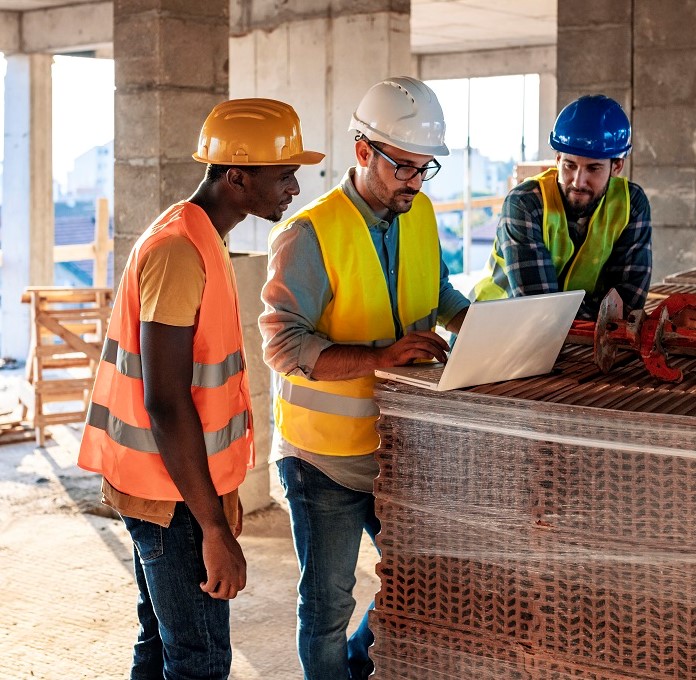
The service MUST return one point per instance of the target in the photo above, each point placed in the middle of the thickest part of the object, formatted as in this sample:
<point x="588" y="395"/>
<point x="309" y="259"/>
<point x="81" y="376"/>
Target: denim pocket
<point x="146" y="536"/>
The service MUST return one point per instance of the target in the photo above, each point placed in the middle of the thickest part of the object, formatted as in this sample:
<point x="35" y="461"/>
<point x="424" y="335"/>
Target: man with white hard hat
<point x="356" y="282"/>
<point x="579" y="225"/>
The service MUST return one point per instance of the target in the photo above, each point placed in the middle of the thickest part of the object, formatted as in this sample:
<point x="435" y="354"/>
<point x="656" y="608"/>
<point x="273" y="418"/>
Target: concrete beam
<point x="9" y="32"/>
<point x="487" y="63"/>
<point x="74" y="28"/>
<point x="248" y="15"/>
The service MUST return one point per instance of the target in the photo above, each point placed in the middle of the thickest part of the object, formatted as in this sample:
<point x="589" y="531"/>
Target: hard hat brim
<point x="304" y="158"/>
<point x="587" y="153"/>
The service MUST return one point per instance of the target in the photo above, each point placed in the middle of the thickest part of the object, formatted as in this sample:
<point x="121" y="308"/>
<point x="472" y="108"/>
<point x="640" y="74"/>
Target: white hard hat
<point x="405" y="113"/>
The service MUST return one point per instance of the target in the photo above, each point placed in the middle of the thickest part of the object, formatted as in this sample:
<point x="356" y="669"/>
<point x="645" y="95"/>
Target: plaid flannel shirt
<point x="528" y="264"/>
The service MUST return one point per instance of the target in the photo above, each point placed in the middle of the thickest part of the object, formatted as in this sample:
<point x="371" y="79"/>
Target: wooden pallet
<point x="14" y="432"/>
<point x="68" y="328"/>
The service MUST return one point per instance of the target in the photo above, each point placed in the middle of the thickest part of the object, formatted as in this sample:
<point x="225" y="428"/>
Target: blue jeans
<point x="327" y="524"/>
<point x="184" y="633"/>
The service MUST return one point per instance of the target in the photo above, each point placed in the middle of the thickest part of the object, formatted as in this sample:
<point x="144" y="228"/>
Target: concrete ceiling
<point x="472" y="25"/>
<point x="28" y="5"/>
<point x="439" y="25"/>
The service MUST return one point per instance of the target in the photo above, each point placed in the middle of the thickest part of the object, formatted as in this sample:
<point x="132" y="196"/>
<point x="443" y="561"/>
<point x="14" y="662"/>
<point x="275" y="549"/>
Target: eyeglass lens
<point x="407" y="172"/>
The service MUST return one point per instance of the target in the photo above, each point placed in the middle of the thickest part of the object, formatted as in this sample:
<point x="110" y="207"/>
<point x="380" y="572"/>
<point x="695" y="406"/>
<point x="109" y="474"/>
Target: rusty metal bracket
<point x="670" y="329"/>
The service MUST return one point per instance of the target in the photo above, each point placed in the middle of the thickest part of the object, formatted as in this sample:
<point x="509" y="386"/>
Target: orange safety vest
<point x="118" y="440"/>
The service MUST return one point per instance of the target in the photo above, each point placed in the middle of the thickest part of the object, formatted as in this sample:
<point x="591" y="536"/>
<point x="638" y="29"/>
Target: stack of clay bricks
<point x="527" y="534"/>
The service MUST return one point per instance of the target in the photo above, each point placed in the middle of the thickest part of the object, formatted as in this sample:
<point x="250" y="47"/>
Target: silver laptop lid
<point x="510" y="338"/>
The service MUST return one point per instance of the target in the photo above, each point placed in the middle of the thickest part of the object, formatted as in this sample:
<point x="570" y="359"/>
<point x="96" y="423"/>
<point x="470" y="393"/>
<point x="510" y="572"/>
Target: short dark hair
<point x="214" y="172"/>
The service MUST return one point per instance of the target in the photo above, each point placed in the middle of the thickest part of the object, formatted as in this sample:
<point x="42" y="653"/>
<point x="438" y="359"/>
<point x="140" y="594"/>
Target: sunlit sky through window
<point x="83" y="108"/>
<point x="501" y="108"/>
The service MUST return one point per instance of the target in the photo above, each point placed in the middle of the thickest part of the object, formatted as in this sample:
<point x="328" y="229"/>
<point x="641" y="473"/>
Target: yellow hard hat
<point x="253" y="132"/>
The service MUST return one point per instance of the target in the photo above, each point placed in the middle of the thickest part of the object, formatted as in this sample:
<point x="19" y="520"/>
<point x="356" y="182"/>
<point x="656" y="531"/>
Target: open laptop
<point x="499" y="340"/>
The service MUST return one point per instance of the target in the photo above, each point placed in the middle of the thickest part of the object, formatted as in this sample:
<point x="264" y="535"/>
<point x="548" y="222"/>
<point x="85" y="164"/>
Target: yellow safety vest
<point x="606" y="226"/>
<point x="337" y="417"/>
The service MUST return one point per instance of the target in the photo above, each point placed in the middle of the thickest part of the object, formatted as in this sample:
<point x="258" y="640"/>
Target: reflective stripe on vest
<point x="204" y="375"/>
<point x="142" y="439"/>
<point x="324" y="402"/>
<point x="426" y="323"/>
<point x="338" y="417"/>
<point x="605" y="227"/>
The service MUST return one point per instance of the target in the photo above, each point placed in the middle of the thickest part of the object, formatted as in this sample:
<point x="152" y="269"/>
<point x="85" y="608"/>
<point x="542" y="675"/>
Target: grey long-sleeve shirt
<point x="295" y="296"/>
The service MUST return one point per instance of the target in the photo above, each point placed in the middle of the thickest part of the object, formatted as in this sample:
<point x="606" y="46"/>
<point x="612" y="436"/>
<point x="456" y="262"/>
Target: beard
<point x="575" y="208"/>
<point x="397" y="202"/>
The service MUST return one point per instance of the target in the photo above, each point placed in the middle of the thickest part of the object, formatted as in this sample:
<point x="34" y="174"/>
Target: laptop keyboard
<point x="419" y="371"/>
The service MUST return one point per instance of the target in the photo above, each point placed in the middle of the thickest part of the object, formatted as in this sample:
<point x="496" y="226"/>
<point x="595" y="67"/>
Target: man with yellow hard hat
<point x="169" y="425"/>
<point x="356" y="282"/>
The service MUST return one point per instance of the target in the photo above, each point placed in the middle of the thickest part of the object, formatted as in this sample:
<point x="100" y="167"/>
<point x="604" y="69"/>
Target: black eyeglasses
<point x="405" y="173"/>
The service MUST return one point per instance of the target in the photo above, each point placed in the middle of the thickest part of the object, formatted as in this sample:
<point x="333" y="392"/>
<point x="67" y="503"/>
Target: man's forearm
<point x="343" y="362"/>
<point x="179" y="437"/>
<point x="455" y="323"/>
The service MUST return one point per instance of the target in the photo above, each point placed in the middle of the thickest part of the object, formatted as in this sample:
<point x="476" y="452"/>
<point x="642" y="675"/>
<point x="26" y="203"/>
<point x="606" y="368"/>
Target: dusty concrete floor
<point x="67" y="607"/>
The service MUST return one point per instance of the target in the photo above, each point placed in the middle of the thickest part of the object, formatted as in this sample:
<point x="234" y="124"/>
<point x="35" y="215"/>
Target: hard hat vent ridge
<point x="405" y="113"/>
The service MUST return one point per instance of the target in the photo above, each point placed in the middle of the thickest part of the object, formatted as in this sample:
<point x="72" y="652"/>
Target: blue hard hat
<point x="593" y="126"/>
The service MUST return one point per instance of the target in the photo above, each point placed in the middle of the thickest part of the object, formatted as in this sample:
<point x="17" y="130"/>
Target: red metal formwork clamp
<point x="670" y="329"/>
<point x="660" y="330"/>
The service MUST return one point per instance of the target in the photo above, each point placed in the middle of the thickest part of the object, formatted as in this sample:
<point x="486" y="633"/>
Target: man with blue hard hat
<point x="577" y="226"/>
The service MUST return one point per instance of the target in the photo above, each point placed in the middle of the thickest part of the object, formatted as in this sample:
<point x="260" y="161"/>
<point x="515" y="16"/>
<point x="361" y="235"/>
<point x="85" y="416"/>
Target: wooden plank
<point x="78" y="328"/>
<point x="73" y="252"/>
<point x="72" y="339"/>
<point x="64" y="293"/>
<point x="494" y="202"/>
<point x="60" y="418"/>
<point x="14" y="432"/>
<point x="78" y="314"/>
<point x="71" y="385"/>
<point x="63" y="363"/>
<point x="26" y="394"/>
<point x="59" y="349"/>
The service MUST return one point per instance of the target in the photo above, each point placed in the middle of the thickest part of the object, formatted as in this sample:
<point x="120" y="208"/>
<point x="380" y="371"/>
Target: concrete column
<point x="171" y="62"/>
<point x="171" y="69"/>
<point x="322" y="61"/>
<point x="547" y="112"/>
<point x="27" y="211"/>
<point x="250" y="271"/>
<point x="641" y="55"/>
<point x="595" y="51"/>
<point x="664" y="127"/>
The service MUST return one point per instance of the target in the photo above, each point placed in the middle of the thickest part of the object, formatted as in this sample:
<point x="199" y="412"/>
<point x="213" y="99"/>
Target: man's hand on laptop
<point x="419" y="345"/>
